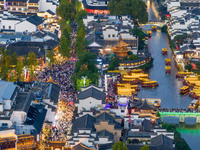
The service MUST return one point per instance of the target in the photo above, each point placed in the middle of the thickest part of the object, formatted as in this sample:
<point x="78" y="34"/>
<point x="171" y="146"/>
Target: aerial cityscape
<point x="99" y="75"/>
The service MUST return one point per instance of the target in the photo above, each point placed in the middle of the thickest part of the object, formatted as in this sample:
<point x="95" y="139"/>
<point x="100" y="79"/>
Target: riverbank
<point x="180" y="143"/>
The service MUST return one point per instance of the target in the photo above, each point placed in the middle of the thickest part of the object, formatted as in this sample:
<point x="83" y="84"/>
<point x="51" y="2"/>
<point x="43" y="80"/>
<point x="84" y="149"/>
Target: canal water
<point x="169" y="85"/>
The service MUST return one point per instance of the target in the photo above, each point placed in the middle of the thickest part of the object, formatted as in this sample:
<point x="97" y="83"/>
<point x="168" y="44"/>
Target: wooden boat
<point x="168" y="61"/>
<point x="167" y="69"/>
<point x="153" y="28"/>
<point x="184" y="89"/>
<point x="150" y="84"/>
<point x="149" y="33"/>
<point x="164" y="51"/>
<point x="194" y="104"/>
<point x="183" y="74"/>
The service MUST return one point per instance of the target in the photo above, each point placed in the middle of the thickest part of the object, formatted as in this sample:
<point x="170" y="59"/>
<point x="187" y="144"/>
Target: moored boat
<point x="149" y="33"/>
<point x="184" y="89"/>
<point x="153" y="28"/>
<point x="194" y="104"/>
<point x="168" y="61"/>
<point x="164" y="51"/>
<point x="150" y="84"/>
<point x="167" y="69"/>
<point x="183" y="74"/>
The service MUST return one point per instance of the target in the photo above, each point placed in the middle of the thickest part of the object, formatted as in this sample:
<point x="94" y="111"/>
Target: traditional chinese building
<point x="143" y="109"/>
<point x="120" y="50"/>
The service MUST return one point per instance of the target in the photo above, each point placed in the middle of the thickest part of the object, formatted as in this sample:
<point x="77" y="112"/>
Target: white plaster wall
<point x="1" y="107"/>
<point x="103" y="141"/>
<point x="110" y="32"/>
<point x="50" y="115"/>
<point x="25" y="26"/>
<point x="18" y="117"/>
<point x="8" y="23"/>
<point x="88" y="103"/>
<point x="127" y="36"/>
<point x="6" y="121"/>
<point x="44" y="6"/>
<point x="7" y="104"/>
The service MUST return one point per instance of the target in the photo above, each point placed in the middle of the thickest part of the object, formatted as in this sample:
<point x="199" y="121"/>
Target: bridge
<point x="181" y="115"/>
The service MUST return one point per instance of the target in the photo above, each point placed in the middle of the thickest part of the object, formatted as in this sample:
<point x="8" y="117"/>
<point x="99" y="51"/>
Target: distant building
<point x="45" y="5"/>
<point x="29" y="25"/>
<point x="96" y="6"/>
<point x="103" y="36"/>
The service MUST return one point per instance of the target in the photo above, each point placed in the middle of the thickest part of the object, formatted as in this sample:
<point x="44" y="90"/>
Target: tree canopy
<point x="66" y="11"/>
<point x="136" y="8"/>
<point x="114" y="63"/>
<point x="80" y="45"/>
<point x="65" y="41"/>
<point x="119" y="146"/>
<point x="86" y="66"/>
<point x="145" y="147"/>
<point x="140" y="35"/>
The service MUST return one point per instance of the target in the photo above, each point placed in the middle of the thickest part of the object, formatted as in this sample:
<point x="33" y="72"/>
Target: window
<point x="4" y="124"/>
<point x="109" y="35"/>
<point x="9" y="27"/>
<point x="113" y="35"/>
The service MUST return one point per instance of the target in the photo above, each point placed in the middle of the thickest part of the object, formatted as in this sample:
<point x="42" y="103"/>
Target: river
<point x="169" y="85"/>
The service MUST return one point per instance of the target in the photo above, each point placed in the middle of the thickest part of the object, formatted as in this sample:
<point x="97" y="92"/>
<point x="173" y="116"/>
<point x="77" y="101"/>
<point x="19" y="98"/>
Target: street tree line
<point x="136" y="8"/>
<point x="12" y="65"/>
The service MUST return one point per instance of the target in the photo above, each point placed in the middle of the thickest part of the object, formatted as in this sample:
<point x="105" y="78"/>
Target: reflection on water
<point x="168" y="90"/>
<point x="169" y="85"/>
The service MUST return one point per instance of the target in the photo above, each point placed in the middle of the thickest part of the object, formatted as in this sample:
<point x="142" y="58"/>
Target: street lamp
<point x="25" y="69"/>
<point x="45" y="48"/>
<point x="84" y="79"/>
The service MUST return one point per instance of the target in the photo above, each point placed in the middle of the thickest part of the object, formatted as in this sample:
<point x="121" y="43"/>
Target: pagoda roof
<point x="145" y="106"/>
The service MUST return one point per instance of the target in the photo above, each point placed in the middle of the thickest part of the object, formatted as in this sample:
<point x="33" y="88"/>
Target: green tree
<point x="50" y="55"/>
<point x="31" y="59"/>
<point x="140" y="35"/>
<point x="25" y="60"/>
<point x="14" y="59"/>
<point x="145" y="147"/>
<point x="80" y="83"/>
<point x="188" y="67"/>
<point x="65" y="42"/>
<point x="119" y="146"/>
<point x="86" y="66"/>
<point x="136" y="8"/>
<point x="164" y="29"/>
<point x="134" y="57"/>
<point x="114" y="63"/>
<point x="80" y="45"/>
<point x="80" y="14"/>
<point x="19" y="68"/>
<point x="66" y="10"/>
<point x="32" y="62"/>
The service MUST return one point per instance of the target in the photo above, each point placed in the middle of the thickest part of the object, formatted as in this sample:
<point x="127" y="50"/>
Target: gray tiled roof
<point x="84" y="122"/>
<point x="105" y="133"/>
<point x="7" y="89"/>
<point x="36" y="20"/>
<point x="107" y="117"/>
<point x="163" y="142"/>
<point x="92" y="92"/>
<point x="145" y="105"/>
<point x="23" y="101"/>
<point x="54" y="91"/>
